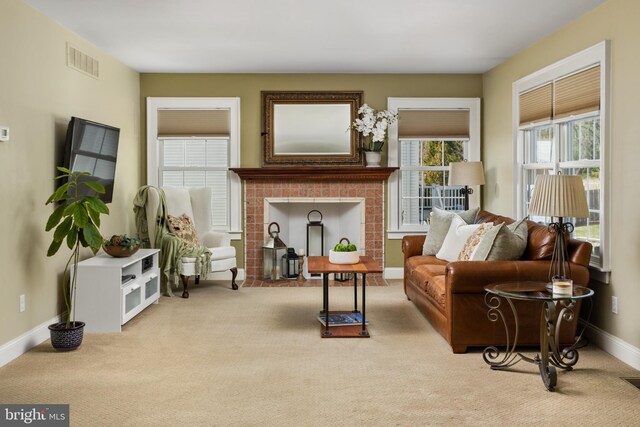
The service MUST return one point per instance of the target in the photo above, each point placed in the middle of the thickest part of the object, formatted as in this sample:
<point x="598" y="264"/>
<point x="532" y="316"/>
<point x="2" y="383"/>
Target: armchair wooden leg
<point x="234" y="273"/>
<point x="185" y="285"/>
<point x="197" y="279"/>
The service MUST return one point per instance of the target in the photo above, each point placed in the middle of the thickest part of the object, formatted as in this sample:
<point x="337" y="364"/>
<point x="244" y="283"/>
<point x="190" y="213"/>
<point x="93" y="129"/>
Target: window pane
<point x="194" y="179"/>
<point x="529" y="184"/>
<point x="173" y="153"/>
<point x="217" y="153"/>
<point x="194" y="153"/>
<point x="219" y="184"/>
<point x="584" y="140"/>
<point x="432" y="153"/>
<point x="454" y="152"/>
<point x="539" y="146"/>
<point x="410" y="153"/>
<point x="172" y="179"/>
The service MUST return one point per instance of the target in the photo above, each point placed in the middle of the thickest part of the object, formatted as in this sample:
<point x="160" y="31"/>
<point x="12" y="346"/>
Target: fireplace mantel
<point x="310" y="173"/>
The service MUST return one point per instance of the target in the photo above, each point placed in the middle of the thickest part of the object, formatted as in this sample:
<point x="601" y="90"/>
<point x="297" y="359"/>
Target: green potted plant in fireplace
<point x="75" y="222"/>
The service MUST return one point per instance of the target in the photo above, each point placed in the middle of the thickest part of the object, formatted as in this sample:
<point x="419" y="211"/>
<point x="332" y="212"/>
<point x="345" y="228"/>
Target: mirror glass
<point x="311" y="129"/>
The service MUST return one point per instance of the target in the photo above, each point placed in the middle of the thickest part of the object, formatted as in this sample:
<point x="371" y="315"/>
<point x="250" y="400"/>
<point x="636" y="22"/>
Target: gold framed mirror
<point x="310" y="128"/>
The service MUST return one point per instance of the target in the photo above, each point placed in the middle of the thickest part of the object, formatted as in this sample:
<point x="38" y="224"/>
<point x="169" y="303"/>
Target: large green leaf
<point x="81" y="238"/>
<point x="72" y="237"/>
<point x="80" y="216"/>
<point x="95" y="186"/>
<point x="53" y="247"/>
<point x="59" y="193"/>
<point x="93" y="237"/>
<point x="95" y="217"/>
<point x="63" y="229"/>
<point x="70" y="209"/>
<point x="96" y="204"/>
<point x="55" y="217"/>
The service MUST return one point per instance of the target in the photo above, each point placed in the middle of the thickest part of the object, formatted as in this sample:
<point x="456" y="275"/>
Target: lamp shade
<point x="466" y="173"/>
<point x="559" y="196"/>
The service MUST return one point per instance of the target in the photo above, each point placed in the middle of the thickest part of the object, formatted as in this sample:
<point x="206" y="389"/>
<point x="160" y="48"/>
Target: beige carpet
<point x="254" y="357"/>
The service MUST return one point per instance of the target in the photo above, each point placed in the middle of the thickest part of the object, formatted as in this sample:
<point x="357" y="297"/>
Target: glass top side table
<point x="556" y="309"/>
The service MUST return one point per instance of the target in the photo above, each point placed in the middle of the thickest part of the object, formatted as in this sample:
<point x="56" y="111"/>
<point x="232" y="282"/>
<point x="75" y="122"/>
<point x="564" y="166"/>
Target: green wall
<point x="377" y="88"/>
<point x="617" y="21"/>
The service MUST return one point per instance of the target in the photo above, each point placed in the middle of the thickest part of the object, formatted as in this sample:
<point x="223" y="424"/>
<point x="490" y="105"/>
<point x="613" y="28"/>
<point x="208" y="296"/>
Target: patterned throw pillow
<point x="472" y="243"/>
<point x="184" y="228"/>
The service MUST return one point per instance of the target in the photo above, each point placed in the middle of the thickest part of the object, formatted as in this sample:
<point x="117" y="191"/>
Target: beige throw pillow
<point x="458" y="234"/>
<point x="439" y="223"/>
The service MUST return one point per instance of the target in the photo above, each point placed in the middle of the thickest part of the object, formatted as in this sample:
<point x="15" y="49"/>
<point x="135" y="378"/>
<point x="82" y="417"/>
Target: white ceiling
<point x="321" y="36"/>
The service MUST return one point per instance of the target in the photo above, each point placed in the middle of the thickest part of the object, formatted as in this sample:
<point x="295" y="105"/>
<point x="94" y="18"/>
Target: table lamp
<point x="559" y="196"/>
<point x="466" y="173"/>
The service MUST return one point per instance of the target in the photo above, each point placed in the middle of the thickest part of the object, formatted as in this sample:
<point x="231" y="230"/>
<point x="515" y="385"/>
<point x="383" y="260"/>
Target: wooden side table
<point x="321" y="264"/>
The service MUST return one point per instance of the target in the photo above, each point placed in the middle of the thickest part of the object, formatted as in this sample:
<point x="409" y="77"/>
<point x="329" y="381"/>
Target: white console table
<point x="106" y="298"/>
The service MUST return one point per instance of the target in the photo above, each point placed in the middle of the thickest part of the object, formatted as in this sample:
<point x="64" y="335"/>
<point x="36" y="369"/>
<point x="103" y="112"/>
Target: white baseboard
<point x="20" y="345"/>
<point x="393" y="273"/>
<point x="613" y="345"/>
<point x="226" y="275"/>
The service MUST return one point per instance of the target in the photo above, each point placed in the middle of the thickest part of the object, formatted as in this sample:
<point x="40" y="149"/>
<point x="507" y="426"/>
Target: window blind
<point x="199" y="163"/>
<point x="172" y="123"/>
<point x="536" y="105"/>
<point x="577" y="94"/>
<point x="433" y="124"/>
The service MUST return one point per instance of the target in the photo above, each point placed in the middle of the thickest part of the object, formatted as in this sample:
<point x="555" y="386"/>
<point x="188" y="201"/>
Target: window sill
<point x="598" y="275"/>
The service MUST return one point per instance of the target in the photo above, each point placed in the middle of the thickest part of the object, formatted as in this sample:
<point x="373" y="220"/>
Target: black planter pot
<point x="66" y="339"/>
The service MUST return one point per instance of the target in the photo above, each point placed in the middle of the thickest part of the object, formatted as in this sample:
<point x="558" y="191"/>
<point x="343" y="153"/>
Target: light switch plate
<point x="4" y="133"/>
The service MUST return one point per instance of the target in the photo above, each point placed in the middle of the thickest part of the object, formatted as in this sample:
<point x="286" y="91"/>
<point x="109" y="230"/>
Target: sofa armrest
<point x="213" y="239"/>
<point x="412" y="245"/>
<point x="473" y="276"/>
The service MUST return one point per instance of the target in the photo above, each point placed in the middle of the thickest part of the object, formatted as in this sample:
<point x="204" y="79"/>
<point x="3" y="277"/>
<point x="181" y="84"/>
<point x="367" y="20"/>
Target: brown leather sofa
<point x="451" y="294"/>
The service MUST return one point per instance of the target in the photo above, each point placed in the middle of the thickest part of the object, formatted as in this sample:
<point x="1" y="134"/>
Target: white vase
<point x="373" y="158"/>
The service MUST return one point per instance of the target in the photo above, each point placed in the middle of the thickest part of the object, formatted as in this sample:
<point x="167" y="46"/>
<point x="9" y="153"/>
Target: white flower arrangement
<point x="375" y="124"/>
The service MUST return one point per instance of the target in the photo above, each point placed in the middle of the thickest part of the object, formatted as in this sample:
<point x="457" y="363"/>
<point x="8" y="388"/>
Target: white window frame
<point x="598" y="54"/>
<point x="153" y="148"/>
<point x="396" y="230"/>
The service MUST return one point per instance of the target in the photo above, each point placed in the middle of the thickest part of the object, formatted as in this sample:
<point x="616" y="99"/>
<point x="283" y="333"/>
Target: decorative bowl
<point x="344" y="257"/>
<point x="120" y="251"/>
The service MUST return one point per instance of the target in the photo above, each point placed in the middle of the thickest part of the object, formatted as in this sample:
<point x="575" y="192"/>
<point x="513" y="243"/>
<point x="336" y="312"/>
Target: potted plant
<point x="344" y="253"/>
<point x="373" y="126"/>
<point x="120" y="246"/>
<point x="76" y="221"/>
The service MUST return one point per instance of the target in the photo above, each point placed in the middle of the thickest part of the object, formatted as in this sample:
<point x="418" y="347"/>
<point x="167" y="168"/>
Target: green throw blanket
<point x="172" y="249"/>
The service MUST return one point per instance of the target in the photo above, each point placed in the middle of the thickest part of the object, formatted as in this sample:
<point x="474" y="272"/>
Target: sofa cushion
<point x="415" y="261"/>
<point x="431" y="279"/>
<point x="459" y="233"/>
<point x="439" y="223"/>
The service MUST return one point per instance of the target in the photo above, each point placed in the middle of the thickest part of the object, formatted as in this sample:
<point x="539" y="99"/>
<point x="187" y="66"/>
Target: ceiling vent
<point x="82" y="62"/>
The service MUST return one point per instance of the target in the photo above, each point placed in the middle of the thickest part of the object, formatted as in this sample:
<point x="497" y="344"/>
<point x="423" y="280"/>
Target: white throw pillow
<point x="458" y="234"/>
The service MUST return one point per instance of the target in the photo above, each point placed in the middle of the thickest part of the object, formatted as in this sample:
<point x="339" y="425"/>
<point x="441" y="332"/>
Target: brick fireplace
<point x="309" y="183"/>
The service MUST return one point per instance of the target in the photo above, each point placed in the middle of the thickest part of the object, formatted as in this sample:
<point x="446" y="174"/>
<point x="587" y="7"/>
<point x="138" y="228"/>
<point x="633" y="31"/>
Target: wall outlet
<point x="23" y="305"/>
<point x="614" y="305"/>
<point x="4" y="133"/>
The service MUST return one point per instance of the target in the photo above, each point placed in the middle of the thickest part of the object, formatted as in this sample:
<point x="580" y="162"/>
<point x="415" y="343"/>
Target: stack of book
<point x="342" y="319"/>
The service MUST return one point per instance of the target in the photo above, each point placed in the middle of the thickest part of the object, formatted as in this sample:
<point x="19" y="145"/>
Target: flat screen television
<point x="92" y="147"/>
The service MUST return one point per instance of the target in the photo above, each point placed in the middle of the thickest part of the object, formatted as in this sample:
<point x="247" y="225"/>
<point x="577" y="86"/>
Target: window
<point x="198" y="163"/>
<point x="430" y="133"/>
<point x="560" y="128"/>
<point x="192" y="142"/>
